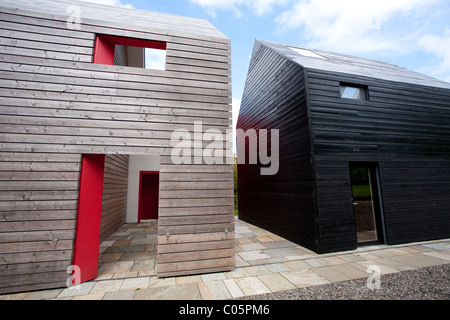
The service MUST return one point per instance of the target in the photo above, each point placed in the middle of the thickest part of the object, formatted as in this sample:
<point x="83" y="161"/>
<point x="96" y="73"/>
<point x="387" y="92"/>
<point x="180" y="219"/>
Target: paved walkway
<point x="265" y="263"/>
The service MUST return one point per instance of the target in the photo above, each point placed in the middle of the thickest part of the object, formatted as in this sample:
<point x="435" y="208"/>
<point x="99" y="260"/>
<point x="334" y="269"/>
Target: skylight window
<point x="355" y="92"/>
<point x="307" y="53"/>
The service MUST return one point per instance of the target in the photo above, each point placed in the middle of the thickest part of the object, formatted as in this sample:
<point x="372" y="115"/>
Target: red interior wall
<point x="148" y="195"/>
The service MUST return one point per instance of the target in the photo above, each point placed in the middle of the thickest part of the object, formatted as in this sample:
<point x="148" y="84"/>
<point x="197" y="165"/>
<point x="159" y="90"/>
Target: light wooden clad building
<point x="69" y="113"/>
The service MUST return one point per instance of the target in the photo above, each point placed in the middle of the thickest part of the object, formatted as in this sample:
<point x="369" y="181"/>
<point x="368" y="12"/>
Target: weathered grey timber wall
<point x="57" y="105"/>
<point x="114" y="202"/>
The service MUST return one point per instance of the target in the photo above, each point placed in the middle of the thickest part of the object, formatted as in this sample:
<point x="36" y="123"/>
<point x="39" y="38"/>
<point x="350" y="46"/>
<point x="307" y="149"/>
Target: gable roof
<point x="124" y="17"/>
<point x="334" y="62"/>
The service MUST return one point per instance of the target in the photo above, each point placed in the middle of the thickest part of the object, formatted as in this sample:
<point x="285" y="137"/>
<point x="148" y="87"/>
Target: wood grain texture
<point x="275" y="98"/>
<point x="56" y="105"/>
<point x="114" y="201"/>
<point x="403" y="128"/>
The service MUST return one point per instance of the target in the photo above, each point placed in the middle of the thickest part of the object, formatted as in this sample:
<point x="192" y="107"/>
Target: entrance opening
<point x="366" y="203"/>
<point x="148" y="195"/>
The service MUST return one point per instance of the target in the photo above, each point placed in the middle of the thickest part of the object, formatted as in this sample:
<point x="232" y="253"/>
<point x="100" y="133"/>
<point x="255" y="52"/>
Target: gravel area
<point x="422" y="284"/>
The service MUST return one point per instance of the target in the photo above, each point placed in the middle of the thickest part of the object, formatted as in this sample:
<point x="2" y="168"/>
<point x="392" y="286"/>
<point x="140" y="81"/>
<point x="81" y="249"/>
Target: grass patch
<point x="361" y="191"/>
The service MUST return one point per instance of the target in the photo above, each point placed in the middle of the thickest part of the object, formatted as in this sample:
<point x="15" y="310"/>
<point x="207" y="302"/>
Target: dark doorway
<point x="148" y="195"/>
<point x="366" y="203"/>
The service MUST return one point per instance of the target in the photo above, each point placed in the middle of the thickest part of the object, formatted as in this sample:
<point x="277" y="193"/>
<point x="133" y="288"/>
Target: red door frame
<point x="140" y="188"/>
<point x="87" y="234"/>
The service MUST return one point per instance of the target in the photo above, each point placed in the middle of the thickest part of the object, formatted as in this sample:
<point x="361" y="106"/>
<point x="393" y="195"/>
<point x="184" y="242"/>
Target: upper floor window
<point x="130" y="52"/>
<point x="354" y="91"/>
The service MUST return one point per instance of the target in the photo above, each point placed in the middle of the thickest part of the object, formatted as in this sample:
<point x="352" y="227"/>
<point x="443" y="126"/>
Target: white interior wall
<point x="137" y="164"/>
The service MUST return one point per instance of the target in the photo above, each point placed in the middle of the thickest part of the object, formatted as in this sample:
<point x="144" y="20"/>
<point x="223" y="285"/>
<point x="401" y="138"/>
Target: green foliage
<point x="361" y="192"/>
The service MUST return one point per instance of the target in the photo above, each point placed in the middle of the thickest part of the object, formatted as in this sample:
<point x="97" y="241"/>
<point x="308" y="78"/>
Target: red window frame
<point x="105" y="45"/>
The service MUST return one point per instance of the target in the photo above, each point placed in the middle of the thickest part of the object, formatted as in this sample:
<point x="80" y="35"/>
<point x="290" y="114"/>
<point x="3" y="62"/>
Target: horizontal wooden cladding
<point x="40" y="185"/>
<point x="15" y="31"/>
<point x="105" y="124"/>
<point x="66" y="117"/>
<point x="275" y="98"/>
<point x="196" y="267"/>
<point x="19" y="247"/>
<point x="41" y="53"/>
<point x="67" y="87"/>
<point x="187" y="58"/>
<point x="190" y="211"/>
<point x="35" y="25"/>
<point x="195" y="228"/>
<point x="191" y="253"/>
<point x="334" y="203"/>
<point x="30" y="236"/>
<point x="82" y="149"/>
<point x="398" y="118"/>
<point x="114" y="199"/>
<point x="69" y="114"/>
<point x="196" y="220"/>
<point x="140" y="22"/>
<point x="38" y="202"/>
<point x="39" y="215"/>
<point x="118" y="86"/>
<point x="46" y="46"/>
<point x="54" y="276"/>
<point x="23" y="32"/>
<point x="56" y="102"/>
<point x="415" y="198"/>
<point x="108" y="72"/>
<point x="94" y="73"/>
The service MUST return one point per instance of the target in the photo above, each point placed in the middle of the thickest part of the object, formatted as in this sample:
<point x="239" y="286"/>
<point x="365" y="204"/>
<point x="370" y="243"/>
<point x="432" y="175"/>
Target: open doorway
<point x="148" y="195"/>
<point x="367" y="206"/>
<point x="108" y="199"/>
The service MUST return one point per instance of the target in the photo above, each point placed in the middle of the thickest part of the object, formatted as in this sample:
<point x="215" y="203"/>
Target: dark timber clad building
<point x="364" y="150"/>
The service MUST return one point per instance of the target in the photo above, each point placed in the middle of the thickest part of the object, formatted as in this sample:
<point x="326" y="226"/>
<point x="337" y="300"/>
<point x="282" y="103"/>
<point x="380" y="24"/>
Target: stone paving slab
<point x="276" y="282"/>
<point x="304" y="278"/>
<point x="265" y="263"/>
<point x="251" y="286"/>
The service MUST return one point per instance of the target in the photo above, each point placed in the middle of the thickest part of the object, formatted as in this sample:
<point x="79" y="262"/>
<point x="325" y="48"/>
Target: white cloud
<point x="258" y="7"/>
<point x="117" y="3"/>
<point x="381" y="28"/>
<point x="439" y="46"/>
<point x="354" y="25"/>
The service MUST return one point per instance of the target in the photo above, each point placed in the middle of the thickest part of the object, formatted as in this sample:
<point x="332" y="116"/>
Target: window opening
<point x="355" y="92"/>
<point x="130" y="52"/>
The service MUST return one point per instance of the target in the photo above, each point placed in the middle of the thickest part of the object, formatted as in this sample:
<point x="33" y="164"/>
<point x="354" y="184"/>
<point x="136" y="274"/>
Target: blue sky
<point x="414" y="34"/>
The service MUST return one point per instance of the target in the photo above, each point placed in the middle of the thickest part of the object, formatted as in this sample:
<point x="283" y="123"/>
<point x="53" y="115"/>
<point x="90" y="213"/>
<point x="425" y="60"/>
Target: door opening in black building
<point x="367" y="206"/>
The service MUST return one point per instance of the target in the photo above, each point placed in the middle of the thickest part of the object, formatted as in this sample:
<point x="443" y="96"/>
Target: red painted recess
<point x="87" y="235"/>
<point x="148" y="195"/>
<point x="105" y="45"/>
<point x="104" y="51"/>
